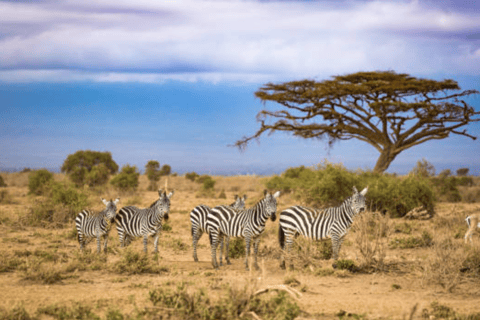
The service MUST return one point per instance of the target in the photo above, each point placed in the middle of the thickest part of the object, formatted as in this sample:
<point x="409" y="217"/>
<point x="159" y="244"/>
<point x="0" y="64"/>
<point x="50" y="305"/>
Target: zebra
<point x="198" y="217"/>
<point x="247" y="223"/>
<point x="135" y="222"/>
<point x="318" y="224"/>
<point x="96" y="225"/>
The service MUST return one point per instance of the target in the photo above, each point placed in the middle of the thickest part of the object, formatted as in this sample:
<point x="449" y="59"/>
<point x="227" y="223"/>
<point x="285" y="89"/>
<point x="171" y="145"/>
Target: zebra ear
<point x="116" y="200"/>
<point x="364" y="191"/>
<point x="105" y="202"/>
<point x="236" y="197"/>
<point x="160" y="192"/>
<point x="276" y="194"/>
<point x="355" y="189"/>
<point x="171" y="194"/>
<point x="265" y="192"/>
<point x="244" y="197"/>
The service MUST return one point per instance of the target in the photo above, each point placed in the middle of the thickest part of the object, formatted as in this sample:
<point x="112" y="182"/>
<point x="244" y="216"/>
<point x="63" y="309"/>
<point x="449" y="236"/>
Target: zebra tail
<point x="281" y="237"/>
<point x="210" y="237"/>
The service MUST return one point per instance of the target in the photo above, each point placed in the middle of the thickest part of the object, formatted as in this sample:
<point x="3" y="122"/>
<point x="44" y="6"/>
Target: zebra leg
<point x="145" y="241"/>
<point x="213" y="243"/>
<point x="247" y="251"/>
<point x="227" y="243"/>
<point x="105" y="243"/>
<point x="336" y="243"/>
<point x="157" y="236"/>
<point x="221" y="250"/>
<point x="196" y="236"/>
<point x="98" y="243"/>
<point x="255" y="250"/>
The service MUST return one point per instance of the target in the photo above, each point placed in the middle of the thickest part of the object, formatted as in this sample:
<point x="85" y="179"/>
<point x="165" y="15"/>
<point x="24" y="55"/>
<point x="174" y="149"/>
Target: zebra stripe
<point x="317" y="224"/>
<point x="198" y="217"/>
<point x="95" y="225"/>
<point x="135" y="222"/>
<point x="248" y="223"/>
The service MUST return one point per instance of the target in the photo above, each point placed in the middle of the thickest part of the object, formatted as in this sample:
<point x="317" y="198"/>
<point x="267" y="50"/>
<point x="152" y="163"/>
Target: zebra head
<point x="111" y="209"/>
<point x="163" y="203"/>
<point x="358" y="200"/>
<point x="239" y="203"/>
<point x="271" y="204"/>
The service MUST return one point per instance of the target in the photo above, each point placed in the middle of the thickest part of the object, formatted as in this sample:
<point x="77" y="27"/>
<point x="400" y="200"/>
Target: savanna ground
<point x="392" y="268"/>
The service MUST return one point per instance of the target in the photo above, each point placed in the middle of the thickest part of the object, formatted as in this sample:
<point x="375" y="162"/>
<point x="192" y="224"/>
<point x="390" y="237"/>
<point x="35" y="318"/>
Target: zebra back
<point x="237" y="223"/>
<point x="137" y="222"/>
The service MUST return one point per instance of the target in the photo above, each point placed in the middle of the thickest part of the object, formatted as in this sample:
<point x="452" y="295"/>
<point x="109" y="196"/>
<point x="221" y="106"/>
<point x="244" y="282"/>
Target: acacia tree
<point x="390" y="111"/>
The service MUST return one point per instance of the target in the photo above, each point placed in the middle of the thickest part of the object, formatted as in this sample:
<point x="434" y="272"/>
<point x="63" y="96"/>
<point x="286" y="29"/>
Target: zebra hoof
<point x="257" y="267"/>
<point x="282" y="265"/>
<point x="228" y="262"/>
<point x="334" y="265"/>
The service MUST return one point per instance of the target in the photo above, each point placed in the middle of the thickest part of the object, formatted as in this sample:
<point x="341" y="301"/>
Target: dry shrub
<point x="371" y="231"/>
<point x="443" y="267"/>
<point x="305" y="252"/>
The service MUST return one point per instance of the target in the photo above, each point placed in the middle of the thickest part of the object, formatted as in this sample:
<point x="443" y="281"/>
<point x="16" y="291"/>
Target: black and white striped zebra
<point x="96" y="225"/>
<point x="135" y="222"/>
<point x="248" y="223"/>
<point x="319" y="224"/>
<point x="198" y="217"/>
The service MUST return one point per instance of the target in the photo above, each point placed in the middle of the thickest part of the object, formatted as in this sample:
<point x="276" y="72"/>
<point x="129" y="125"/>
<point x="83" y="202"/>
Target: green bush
<point x="62" y="204"/>
<point x="330" y="185"/>
<point x="166" y="170"/>
<point x="192" y="176"/>
<point x="38" y="180"/>
<point x="153" y="174"/>
<point x="127" y="179"/>
<point x="89" y="167"/>
<point x="208" y="184"/>
<point x="2" y="182"/>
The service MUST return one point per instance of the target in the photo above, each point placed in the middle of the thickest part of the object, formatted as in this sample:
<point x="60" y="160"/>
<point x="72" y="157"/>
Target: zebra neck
<point x="347" y="211"/>
<point x="259" y="212"/>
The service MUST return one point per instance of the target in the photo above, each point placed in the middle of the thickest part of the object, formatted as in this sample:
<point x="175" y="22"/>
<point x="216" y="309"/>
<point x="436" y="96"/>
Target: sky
<point x="174" y="80"/>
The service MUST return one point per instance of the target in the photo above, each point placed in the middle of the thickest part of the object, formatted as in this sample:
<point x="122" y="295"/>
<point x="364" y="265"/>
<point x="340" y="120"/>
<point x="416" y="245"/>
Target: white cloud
<point x="153" y="41"/>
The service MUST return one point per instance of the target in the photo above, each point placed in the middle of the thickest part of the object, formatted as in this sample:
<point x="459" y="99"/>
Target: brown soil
<point x="390" y="294"/>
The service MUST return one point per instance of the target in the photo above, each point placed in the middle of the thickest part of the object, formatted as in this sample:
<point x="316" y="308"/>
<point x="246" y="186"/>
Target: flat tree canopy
<point x="390" y="111"/>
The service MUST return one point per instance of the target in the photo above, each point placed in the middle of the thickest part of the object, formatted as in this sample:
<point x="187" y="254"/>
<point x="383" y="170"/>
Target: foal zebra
<point x="316" y="224"/>
<point x="198" y="217"/>
<point x="248" y="223"/>
<point x="96" y="225"/>
<point x="135" y="222"/>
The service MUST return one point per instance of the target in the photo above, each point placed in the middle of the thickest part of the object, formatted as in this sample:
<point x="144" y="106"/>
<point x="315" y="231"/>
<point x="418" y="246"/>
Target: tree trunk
<point x="383" y="162"/>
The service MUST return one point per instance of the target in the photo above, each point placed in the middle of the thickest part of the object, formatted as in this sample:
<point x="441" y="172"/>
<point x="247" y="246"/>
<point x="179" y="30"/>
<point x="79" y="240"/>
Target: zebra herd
<point x="223" y="222"/>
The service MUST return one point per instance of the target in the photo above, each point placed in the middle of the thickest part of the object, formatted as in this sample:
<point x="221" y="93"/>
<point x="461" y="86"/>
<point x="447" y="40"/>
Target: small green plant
<point x="412" y="242"/>
<point x="77" y="311"/>
<point x="137" y="263"/>
<point x="17" y="313"/>
<point x="38" y="181"/>
<point x="346" y="264"/>
<point x="222" y="195"/>
<point x="236" y="248"/>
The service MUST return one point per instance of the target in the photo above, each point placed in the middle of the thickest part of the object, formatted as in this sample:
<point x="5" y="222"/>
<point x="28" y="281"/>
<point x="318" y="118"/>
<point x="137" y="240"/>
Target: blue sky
<point x="174" y="81"/>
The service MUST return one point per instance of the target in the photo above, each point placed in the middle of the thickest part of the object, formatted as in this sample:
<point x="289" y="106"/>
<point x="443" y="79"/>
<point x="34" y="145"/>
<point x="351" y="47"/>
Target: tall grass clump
<point x="371" y="231"/>
<point x="137" y="263"/>
<point x="330" y="184"/>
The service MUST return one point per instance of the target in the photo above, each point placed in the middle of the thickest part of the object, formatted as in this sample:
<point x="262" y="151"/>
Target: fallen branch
<point x="280" y="287"/>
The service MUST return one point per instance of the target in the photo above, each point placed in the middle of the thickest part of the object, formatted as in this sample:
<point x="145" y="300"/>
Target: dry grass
<point x="46" y="276"/>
